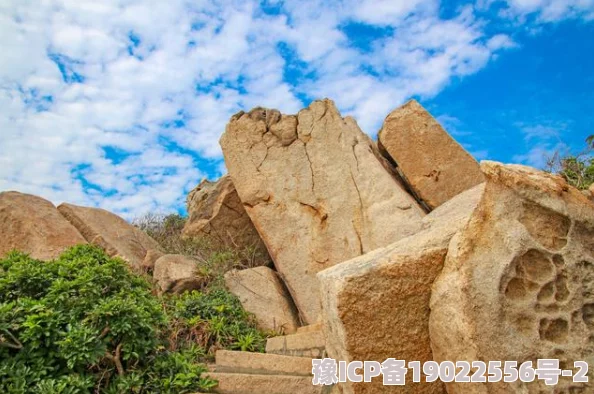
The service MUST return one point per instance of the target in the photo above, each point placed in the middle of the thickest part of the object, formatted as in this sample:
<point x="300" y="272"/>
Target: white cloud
<point x="145" y="78"/>
<point x="538" y="155"/>
<point x="549" y="10"/>
<point x="544" y="141"/>
<point x="542" y="132"/>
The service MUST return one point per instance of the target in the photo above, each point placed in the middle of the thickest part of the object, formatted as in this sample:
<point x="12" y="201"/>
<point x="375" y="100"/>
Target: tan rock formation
<point x="110" y="232"/>
<point x="435" y="166"/>
<point x="152" y="255"/>
<point x="316" y="190"/>
<point x="376" y="306"/>
<point x="518" y="282"/>
<point x="216" y="213"/>
<point x="262" y="293"/>
<point x="33" y="225"/>
<point x="176" y="273"/>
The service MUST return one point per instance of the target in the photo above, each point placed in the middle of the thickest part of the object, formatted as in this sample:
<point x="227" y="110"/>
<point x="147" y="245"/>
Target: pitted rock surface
<point x="518" y="282"/>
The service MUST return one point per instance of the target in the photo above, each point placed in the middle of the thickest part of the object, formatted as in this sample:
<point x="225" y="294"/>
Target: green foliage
<point x="84" y="323"/>
<point x="215" y="259"/>
<point x="578" y="170"/>
<point x="216" y="320"/>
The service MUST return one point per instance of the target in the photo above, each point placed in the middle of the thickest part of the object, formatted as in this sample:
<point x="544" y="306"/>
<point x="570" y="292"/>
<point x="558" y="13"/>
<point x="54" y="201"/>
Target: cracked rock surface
<point x="216" y="213"/>
<point x="317" y="192"/>
<point x="435" y="166"/>
<point x="518" y="280"/>
<point x="377" y="305"/>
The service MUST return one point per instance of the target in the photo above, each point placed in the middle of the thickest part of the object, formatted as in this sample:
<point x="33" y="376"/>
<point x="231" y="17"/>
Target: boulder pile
<point x="408" y="248"/>
<point x="403" y="248"/>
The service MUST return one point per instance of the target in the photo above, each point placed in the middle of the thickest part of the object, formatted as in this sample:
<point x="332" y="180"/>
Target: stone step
<point x="308" y="344"/>
<point x="261" y="363"/>
<point x="310" y="328"/>
<point x="237" y="383"/>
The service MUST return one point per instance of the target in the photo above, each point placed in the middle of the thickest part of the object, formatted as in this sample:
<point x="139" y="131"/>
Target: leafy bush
<point x="214" y="320"/>
<point x="578" y="170"/>
<point x="84" y="323"/>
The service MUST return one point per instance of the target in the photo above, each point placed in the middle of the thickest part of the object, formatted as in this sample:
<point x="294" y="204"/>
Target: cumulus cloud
<point x="546" y="11"/>
<point x="120" y="103"/>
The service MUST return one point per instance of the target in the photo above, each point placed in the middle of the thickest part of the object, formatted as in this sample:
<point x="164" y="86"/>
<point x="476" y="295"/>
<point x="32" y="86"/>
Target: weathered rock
<point x="230" y="383"/>
<point x="376" y="306"/>
<point x="152" y="255"/>
<point x="435" y="166"/>
<point x="262" y="293"/>
<point x="33" y="225"/>
<point x="316" y="190"/>
<point x="176" y="273"/>
<point x="308" y="344"/>
<point x="316" y="327"/>
<point x="518" y="281"/>
<point x="269" y="364"/>
<point x="216" y="214"/>
<point x="110" y="232"/>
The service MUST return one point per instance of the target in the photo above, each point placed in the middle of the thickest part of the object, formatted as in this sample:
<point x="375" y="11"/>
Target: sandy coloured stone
<point x="216" y="214"/>
<point x="435" y="166"/>
<point x="152" y="255"/>
<point x="33" y="225"/>
<point x="264" y="363"/>
<point x="176" y="273"/>
<point x="262" y="293"/>
<point x="307" y="344"/>
<point x="317" y="190"/>
<point x="110" y="232"/>
<point x="518" y="281"/>
<point x="376" y="306"/>
<point x="229" y="383"/>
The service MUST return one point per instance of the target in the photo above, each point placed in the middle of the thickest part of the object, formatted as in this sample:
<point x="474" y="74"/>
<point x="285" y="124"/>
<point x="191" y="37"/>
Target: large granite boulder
<point x="435" y="166"/>
<point x="262" y="293"/>
<point x="176" y="273"/>
<point x="110" y="232"/>
<point x="33" y="225"/>
<point x="216" y="214"/>
<point x="376" y="306"/>
<point x="518" y="281"/>
<point x="317" y="190"/>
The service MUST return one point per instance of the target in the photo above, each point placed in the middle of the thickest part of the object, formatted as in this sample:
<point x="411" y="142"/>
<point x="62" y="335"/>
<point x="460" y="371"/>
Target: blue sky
<point x="120" y="103"/>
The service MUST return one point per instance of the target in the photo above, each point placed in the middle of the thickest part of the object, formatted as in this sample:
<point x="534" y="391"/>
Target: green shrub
<point x="215" y="320"/>
<point x="578" y="170"/>
<point x="84" y="323"/>
<point x="215" y="258"/>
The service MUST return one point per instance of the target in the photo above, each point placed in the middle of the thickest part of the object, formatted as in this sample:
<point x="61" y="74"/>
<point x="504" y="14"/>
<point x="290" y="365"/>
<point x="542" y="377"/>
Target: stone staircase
<point x="285" y="368"/>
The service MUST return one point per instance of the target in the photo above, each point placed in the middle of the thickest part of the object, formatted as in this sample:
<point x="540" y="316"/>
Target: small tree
<point x="578" y="169"/>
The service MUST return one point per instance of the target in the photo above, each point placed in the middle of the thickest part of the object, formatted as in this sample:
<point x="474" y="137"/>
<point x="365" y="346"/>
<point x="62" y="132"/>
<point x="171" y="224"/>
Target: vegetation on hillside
<point x="84" y="323"/>
<point x="215" y="259"/>
<point x="577" y="169"/>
